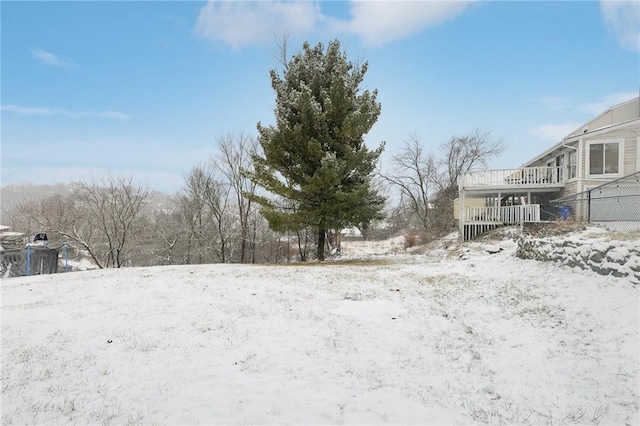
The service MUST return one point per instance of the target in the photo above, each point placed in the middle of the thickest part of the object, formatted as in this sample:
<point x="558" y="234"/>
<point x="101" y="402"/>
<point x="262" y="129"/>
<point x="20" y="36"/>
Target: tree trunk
<point x="302" y="249"/>
<point x="243" y="244"/>
<point x="321" y="241"/>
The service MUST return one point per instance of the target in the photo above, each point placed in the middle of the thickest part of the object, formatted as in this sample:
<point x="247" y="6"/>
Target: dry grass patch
<point x="336" y="262"/>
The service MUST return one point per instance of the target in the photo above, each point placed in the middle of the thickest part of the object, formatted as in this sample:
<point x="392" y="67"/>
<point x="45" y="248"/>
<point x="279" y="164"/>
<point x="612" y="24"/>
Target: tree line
<point x="280" y="196"/>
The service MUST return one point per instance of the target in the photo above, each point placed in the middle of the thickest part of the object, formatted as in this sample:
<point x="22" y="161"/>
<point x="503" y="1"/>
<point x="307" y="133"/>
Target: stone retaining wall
<point x="617" y="258"/>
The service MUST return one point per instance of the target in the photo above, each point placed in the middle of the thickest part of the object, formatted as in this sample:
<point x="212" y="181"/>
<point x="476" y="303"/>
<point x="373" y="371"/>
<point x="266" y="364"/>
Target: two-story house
<point x="602" y="150"/>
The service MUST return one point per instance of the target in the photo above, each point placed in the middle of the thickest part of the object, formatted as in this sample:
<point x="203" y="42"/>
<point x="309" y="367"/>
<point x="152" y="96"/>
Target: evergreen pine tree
<point x="315" y="158"/>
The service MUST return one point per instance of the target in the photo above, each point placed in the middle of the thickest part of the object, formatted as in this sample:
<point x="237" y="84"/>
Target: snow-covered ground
<point x="463" y="334"/>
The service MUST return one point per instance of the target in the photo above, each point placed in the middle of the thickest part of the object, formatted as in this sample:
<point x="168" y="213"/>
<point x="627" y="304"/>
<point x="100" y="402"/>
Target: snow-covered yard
<point x="455" y="336"/>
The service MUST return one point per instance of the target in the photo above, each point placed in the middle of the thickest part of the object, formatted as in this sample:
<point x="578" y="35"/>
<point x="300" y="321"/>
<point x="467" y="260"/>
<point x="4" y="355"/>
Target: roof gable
<point x="620" y="114"/>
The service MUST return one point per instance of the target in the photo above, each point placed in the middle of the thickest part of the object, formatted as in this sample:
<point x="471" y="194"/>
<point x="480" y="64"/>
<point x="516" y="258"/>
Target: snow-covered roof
<point x="9" y="234"/>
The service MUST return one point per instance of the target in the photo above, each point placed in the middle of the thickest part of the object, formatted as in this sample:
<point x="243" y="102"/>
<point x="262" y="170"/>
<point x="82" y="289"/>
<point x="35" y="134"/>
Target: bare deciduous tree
<point x="169" y="238"/>
<point x="464" y="153"/>
<point x="233" y="159"/>
<point x="62" y="216"/>
<point x="190" y="211"/>
<point x="204" y="201"/>
<point x="413" y="174"/>
<point x="99" y="216"/>
<point x="281" y="55"/>
<point x="428" y="184"/>
<point x="111" y="208"/>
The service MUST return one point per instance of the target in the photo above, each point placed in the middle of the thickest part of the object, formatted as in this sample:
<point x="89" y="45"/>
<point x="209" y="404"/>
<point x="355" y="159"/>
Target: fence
<point x="614" y="204"/>
<point x="31" y="260"/>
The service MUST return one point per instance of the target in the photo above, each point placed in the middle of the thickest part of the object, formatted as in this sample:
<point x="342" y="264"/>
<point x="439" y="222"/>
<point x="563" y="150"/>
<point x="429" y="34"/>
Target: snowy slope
<point x="457" y="336"/>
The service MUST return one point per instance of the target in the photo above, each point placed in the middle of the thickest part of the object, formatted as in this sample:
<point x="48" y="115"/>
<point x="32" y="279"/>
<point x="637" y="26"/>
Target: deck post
<point x="66" y="257"/>
<point x="461" y="212"/>
<point x="28" y="270"/>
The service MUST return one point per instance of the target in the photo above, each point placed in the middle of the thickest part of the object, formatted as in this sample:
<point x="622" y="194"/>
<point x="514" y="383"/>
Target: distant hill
<point x="13" y="195"/>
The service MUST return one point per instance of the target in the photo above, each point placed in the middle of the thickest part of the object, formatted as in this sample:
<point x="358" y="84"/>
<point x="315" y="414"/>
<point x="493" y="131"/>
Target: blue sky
<point x="145" y="88"/>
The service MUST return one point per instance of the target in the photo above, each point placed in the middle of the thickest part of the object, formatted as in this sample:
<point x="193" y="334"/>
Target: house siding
<point x="570" y="188"/>
<point x="591" y="183"/>
<point x="630" y="154"/>
<point x="468" y="202"/>
<point x="619" y="115"/>
<point x="552" y="156"/>
<point x="638" y="154"/>
<point x="582" y="162"/>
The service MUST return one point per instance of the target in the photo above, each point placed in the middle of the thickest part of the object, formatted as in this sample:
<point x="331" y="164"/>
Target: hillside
<point x="463" y="334"/>
<point x="12" y="195"/>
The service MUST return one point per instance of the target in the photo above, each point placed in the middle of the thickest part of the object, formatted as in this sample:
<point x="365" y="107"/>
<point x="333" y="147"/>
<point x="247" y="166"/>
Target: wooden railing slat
<point x="503" y="214"/>
<point x="507" y="177"/>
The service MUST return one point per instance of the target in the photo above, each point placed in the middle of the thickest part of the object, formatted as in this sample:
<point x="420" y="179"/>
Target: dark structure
<point x="31" y="260"/>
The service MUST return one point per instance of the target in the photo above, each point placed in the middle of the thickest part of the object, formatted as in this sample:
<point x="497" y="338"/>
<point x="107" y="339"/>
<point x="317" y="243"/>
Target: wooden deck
<point x="497" y="184"/>
<point x="527" y="178"/>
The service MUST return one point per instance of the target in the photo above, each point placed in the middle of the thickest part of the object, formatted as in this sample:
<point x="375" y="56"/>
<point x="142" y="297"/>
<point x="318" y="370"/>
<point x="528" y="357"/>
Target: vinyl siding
<point x="570" y="188"/>
<point x="552" y="156"/>
<point x="630" y="154"/>
<point x="619" y="115"/>
<point x="468" y="202"/>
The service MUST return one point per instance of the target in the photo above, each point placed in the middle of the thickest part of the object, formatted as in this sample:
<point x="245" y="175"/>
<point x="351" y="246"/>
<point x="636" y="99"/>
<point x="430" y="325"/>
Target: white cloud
<point x="623" y="19"/>
<point x="555" y="102"/>
<point x="27" y="110"/>
<point x="553" y="132"/>
<point x="241" y="23"/>
<point x="113" y="115"/>
<point x="158" y="180"/>
<point x="50" y="59"/>
<point x="607" y="101"/>
<point x="379" y="22"/>
<point x="161" y="167"/>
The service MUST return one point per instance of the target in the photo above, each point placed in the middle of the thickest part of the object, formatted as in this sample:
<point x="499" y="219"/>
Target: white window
<point x="605" y="158"/>
<point x="572" y="163"/>
<point x="559" y="172"/>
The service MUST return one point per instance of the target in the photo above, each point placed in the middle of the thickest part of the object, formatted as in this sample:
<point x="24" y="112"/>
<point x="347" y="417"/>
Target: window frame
<point x="587" y="166"/>
<point x="573" y="151"/>
<point x="560" y="163"/>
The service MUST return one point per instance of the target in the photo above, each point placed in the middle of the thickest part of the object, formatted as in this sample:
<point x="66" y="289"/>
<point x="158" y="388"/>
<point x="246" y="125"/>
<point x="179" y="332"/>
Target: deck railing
<point x="538" y="176"/>
<point x="503" y="214"/>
